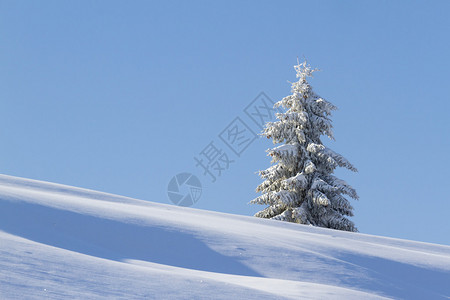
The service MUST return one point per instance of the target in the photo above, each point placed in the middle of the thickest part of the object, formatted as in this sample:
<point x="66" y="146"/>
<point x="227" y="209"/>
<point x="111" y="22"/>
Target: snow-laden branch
<point x="300" y="187"/>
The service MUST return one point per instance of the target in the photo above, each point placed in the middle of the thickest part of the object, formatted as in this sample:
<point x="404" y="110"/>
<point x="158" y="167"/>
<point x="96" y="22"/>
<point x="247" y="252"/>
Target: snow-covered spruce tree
<point x="300" y="186"/>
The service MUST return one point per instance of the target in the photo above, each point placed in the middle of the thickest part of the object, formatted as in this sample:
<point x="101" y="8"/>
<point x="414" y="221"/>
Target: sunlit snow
<point x="60" y="242"/>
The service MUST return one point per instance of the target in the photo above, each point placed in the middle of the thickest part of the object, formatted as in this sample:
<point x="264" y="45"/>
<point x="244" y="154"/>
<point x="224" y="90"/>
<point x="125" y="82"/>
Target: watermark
<point x="222" y="152"/>
<point x="237" y="136"/>
<point x="261" y="110"/>
<point x="184" y="189"/>
<point x="213" y="161"/>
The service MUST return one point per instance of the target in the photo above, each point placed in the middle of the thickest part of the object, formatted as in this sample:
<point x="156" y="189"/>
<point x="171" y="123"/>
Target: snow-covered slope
<point x="60" y="242"/>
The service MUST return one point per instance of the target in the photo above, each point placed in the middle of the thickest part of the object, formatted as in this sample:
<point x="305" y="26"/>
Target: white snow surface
<point x="61" y="242"/>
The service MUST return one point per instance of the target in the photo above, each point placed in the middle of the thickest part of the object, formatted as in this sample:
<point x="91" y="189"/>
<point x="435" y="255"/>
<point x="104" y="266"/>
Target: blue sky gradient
<point x="121" y="96"/>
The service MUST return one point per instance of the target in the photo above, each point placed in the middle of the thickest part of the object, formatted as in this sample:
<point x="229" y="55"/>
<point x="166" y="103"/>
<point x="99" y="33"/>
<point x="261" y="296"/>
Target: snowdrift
<point x="60" y="242"/>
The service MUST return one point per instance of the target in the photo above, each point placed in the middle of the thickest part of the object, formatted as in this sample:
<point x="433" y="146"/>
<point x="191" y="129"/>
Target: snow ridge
<point x="59" y="242"/>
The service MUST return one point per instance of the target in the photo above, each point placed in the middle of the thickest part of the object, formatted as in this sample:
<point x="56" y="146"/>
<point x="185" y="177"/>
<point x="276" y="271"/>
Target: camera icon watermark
<point x="184" y="189"/>
<point x="221" y="152"/>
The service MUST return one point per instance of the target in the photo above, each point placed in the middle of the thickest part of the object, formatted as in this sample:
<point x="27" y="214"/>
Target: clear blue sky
<point x="119" y="96"/>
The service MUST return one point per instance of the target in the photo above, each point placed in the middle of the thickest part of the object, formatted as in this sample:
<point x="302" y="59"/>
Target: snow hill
<point x="59" y="242"/>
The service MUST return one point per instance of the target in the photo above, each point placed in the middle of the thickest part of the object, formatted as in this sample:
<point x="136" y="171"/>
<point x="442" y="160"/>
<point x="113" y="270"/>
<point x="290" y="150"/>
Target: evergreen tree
<point x="300" y="186"/>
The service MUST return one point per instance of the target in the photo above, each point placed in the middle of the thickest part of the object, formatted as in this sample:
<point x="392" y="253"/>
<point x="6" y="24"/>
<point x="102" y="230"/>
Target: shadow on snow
<point x="114" y="240"/>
